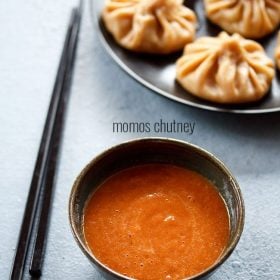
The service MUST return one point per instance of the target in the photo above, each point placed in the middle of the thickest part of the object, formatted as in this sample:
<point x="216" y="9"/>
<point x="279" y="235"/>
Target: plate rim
<point x="96" y="20"/>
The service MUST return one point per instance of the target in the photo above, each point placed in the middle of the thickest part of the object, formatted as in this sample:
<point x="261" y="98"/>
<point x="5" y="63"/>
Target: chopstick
<point x="40" y="239"/>
<point x="43" y="162"/>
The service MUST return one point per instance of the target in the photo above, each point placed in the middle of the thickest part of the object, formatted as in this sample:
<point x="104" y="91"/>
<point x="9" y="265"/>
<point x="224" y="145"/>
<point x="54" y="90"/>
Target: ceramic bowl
<point x="155" y="150"/>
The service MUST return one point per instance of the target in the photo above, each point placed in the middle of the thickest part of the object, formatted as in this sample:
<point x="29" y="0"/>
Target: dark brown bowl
<point x="155" y="150"/>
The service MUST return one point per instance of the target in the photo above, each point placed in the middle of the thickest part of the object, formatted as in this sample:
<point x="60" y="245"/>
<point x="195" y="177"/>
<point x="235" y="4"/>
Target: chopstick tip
<point x="35" y="273"/>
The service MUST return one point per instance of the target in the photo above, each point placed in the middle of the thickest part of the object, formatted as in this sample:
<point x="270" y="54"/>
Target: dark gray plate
<point x="158" y="72"/>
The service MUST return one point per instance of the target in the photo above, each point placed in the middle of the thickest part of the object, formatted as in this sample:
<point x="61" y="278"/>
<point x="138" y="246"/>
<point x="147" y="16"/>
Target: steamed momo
<point x="250" y="18"/>
<point x="225" y="69"/>
<point x="277" y="51"/>
<point x="150" y="26"/>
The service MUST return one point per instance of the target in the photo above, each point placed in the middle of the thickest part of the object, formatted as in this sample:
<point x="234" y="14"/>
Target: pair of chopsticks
<point x="34" y="228"/>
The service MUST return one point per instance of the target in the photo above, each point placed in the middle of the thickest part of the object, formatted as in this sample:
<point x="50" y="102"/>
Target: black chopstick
<point x="41" y="233"/>
<point x="39" y="169"/>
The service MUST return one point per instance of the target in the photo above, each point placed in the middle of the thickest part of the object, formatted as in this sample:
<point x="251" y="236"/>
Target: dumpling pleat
<point x="277" y="51"/>
<point x="190" y="63"/>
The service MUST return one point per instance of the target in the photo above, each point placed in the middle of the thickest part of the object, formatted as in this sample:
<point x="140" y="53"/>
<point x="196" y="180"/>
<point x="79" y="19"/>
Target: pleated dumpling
<point x="250" y="18"/>
<point x="150" y="26"/>
<point x="277" y="51"/>
<point x="225" y="69"/>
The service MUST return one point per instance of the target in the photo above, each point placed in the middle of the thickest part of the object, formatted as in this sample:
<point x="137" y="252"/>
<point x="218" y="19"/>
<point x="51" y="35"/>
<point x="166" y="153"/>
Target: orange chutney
<point x="156" y="221"/>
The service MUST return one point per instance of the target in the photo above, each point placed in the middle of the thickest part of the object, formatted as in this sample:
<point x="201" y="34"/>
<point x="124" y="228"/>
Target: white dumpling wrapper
<point x="250" y="18"/>
<point x="150" y="26"/>
<point x="225" y="69"/>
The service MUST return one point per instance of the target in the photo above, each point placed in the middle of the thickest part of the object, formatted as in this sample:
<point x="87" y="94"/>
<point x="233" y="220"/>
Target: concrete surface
<point x="31" y="36"/>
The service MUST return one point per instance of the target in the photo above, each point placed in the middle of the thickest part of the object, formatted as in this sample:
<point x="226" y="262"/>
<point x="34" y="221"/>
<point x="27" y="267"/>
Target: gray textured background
<point x="31" y="36"/>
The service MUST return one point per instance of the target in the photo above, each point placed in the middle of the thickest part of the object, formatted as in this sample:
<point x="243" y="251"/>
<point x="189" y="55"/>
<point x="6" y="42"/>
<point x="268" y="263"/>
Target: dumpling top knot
<point x="152" y="5"/>
<point x="159" y="8"/>
<point x="231" y="43"/>
<point x="231" y="47"/>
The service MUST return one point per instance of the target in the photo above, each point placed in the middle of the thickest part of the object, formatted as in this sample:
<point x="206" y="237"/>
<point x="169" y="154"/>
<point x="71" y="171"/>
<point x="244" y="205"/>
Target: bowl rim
<point x="198" y="150"/>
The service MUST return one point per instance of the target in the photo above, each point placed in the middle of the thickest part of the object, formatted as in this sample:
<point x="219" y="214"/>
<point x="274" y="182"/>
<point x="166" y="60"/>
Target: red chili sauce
<point x="156" y="221"/>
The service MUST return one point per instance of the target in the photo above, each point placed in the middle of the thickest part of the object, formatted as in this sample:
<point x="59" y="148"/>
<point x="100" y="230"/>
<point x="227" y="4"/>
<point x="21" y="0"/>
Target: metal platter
<point x="158" y="72"/>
